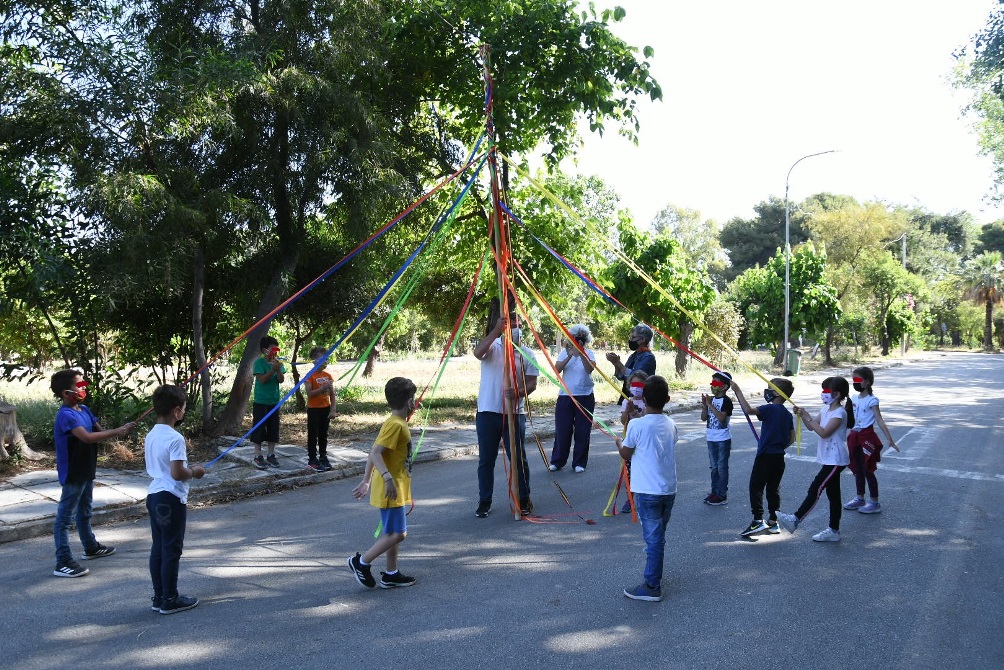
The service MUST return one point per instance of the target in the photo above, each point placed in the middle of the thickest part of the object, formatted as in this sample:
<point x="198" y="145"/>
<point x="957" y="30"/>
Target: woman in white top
<point x="575" y="364"/>
<point x="831" y="426"/>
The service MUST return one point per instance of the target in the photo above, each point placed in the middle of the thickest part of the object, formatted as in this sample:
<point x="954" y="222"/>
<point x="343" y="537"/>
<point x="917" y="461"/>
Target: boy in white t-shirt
<point x="650" y="445"/>
<point x="167" y="498"/>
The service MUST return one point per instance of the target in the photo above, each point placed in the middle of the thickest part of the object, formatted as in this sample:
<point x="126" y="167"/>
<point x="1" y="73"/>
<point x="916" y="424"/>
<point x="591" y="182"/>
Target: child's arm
<point x="705" y="401"/>
<point x="180" y="473"/>
<point x="627" y="453"/>
<point x="885" y="429"/>
<point x="87" y="437"/>
<point x="333" y="399"/>
<point x="376" y="462"/>
<point x="749" y="409"/>
<point x="815" y="426"/>
<point x="722" y="417"/>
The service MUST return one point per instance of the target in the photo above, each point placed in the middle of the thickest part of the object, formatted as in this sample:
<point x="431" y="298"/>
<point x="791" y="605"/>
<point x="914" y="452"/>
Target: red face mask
<point x="80" y="390"/>
<point x="273" y="352"/>
<point x="716" y="384"/>
<point x="857" y="380"/>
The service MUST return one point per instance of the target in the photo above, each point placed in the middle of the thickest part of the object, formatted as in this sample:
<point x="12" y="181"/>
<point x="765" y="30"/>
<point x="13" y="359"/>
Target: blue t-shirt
<point x="76" y="461"/>
<point x="775" y="429"/>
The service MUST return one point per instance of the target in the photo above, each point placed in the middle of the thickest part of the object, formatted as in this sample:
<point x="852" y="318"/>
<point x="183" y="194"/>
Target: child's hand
<point x="127" y="428"/>
<point x="893" y="445"/>
<point x="361" y="490"/>
<point x="390" y="488"/>
<point x="331" y="414"/>
<point x="198" y="472"/>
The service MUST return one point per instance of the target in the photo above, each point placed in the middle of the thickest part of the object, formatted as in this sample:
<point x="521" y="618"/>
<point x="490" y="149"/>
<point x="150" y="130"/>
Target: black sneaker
<point x="313" y="464"/>
<point x="395" y="580"/>
<point x="526" y="507"/>
<point x="362" y="573"/>
<point x="155" y="603"/>
<point x="273" y="461"/>
<point x="99" y="551"/>
<point x="484" y="507"/>
<point x="69" y="569"/>
<point x="323" y="462"/>
<point x="178" y="603"/>
<point x="626" y="509"/>
<point x="259" y="462"/>
<point x="757" y="526"/>
<point x="772" y="527"/>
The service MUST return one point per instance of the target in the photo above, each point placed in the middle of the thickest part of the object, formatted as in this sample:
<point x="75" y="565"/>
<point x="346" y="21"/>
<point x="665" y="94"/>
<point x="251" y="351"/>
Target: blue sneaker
<point x="644" y="592"/>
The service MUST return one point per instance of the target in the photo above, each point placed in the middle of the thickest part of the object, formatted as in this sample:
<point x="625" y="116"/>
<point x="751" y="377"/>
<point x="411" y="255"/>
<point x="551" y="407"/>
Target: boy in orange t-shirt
<point x="320" y="412"/>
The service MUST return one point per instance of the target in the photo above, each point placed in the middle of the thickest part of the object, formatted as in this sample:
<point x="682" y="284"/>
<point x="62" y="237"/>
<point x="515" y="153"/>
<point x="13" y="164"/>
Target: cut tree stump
<point x="11" y="437"/>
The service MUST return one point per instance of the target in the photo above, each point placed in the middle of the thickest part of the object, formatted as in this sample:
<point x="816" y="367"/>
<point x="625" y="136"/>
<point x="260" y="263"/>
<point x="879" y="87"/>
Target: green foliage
<point x="699" y="240"/>
<point x="991" y="238"/>
<point x="759" y="296"/>
<point x="724" y="320"/>
<point x="661" y="257"/>
<point x="752" y="242"/>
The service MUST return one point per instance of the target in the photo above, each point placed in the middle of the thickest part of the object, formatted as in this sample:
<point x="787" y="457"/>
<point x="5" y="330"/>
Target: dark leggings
<point x="767" y="472"/>
<point x="318" y="422"/>
<point x="861" y="475"/>
<point x="828" y="478"/>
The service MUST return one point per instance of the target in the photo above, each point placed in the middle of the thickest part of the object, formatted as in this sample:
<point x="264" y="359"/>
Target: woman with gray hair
<point x="570" y="422"/>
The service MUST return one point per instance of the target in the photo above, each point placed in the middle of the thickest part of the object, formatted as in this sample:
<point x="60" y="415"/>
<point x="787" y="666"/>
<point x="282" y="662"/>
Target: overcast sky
<point x="750" y="87"/>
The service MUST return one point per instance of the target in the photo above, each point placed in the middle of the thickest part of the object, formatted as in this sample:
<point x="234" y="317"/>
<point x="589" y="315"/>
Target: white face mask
<point x="515" y="333"/>
<point x="636" y="391"/>
<point x="827" y="398"/>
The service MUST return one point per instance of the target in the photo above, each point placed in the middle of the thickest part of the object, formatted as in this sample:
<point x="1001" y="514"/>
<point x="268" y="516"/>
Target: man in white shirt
<point x="492" y="421"/>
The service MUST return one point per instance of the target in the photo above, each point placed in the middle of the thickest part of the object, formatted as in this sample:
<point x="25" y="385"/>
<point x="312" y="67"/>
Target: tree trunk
<point x="682" y="357"/>
<point x="988" y="327"/>
<point x="233" y="414"/>
<point x="827" y="360"/>
<point x="374" y="355"/>
<point x="198" y="291"/>
<point x="10" y="436"/>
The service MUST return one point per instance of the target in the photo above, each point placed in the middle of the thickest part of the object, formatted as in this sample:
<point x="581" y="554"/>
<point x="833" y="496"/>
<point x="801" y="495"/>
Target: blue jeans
<point x="492" y="427"/>
<point x="75" y="505"/>
<point x="167" y="527"/>
<point x="654" y="512"/>
<point x="718" y="454"/>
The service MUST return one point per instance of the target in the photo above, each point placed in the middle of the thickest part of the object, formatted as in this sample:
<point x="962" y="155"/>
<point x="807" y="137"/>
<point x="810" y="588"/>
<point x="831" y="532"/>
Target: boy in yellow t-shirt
<point x="391" y="492"/>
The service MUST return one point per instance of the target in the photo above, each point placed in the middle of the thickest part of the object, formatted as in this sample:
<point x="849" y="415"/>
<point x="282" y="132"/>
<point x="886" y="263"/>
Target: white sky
<point x="750" y="87"/>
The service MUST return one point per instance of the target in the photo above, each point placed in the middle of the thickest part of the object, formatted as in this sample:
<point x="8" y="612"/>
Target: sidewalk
<point x="28" y="501"/>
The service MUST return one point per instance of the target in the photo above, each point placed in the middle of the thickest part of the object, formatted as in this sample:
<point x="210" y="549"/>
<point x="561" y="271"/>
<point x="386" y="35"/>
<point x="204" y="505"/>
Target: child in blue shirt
<point x="77" y="433"/>
<point x="777" y="433"/>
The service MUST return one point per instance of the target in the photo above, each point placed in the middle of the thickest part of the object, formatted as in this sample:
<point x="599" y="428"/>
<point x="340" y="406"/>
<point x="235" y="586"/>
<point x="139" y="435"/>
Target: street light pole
<point x="787" y="257"/>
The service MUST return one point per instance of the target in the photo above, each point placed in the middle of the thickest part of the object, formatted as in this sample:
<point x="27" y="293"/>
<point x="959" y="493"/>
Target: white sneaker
<point x="553" y="468"/>
<point x="871" y="507"/>
<point x="788" y="521"/>
<point x="854" y="503"/>
<point x="579" y="469"/>
<point x="828" y="535"/>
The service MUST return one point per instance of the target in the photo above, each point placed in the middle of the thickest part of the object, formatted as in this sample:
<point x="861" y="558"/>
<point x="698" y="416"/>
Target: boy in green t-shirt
<point x="391" y="492"/>
<point x="269" y="372"/>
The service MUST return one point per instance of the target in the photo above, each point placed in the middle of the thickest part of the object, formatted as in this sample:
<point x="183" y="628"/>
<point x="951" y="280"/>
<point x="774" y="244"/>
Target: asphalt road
<point x="918" y="586"/>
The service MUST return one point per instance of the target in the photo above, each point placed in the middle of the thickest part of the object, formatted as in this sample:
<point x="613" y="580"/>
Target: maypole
<point x="498" y="237"/>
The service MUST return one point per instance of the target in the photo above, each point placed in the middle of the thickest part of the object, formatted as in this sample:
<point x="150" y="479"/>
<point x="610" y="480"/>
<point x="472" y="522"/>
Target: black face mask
<point x="181" y="420"/>
<point x="769" y="395"/>
<point x="857" y="386"/>
<point x="632" y="345"/>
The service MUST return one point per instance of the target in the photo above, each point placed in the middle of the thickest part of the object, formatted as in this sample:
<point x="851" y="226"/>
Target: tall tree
<point x="752" y="242"/>
<point x="983" y="283"/>
<point x="661" y="257"/>
<point x="759" y="295"/>
<point x="699" y="239"/>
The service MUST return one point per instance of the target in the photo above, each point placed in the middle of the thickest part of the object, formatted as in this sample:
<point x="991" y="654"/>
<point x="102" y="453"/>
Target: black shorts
<point x="268" y="431"/>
